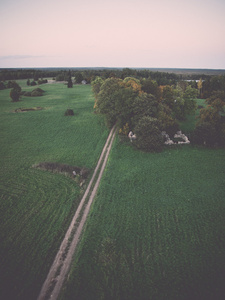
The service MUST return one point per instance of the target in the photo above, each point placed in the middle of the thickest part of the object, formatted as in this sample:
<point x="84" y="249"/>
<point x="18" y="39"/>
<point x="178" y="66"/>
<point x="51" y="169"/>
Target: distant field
<point x="156" y="229"/>
<point x="36" y="206"/>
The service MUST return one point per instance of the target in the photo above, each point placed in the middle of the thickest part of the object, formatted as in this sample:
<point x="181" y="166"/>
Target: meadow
<point x="36" y="206"/>
<point x="156" y="228"/>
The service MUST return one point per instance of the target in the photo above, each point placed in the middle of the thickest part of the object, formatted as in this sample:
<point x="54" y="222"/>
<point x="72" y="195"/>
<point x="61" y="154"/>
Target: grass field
<point x="156" y="229"/>
<point x="36" y="206"/>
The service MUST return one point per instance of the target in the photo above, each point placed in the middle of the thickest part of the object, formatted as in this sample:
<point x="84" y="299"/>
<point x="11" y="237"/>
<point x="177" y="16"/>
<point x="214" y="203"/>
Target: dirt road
<point x="60" y="267"/>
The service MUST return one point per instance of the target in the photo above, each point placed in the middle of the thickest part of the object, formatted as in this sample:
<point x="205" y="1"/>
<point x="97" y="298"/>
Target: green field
<point x="156" y="229"/>
<point x="36" y="206"/>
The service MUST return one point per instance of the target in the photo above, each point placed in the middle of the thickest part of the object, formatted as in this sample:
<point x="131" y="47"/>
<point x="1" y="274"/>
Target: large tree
<point x="115" y="99"/>
<point x="107" y="97"/>
<point x="181" y="101"/>
<point x="210" y="128"/>
<point x="78" y="77"/>
<point x="15" y="95"/>
<point x="144" y="105"/>
<point x="150" y="86"/>
<point x="15" y="92"/>
<point x="148" y="134"/>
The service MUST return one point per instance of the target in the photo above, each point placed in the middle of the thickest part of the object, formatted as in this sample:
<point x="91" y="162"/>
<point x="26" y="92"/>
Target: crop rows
<point x="156" y="228"/>
<point x="36" y="206"/>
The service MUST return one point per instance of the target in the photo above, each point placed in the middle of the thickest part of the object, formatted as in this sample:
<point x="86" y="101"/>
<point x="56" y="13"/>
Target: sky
<point x="113" y="33"/>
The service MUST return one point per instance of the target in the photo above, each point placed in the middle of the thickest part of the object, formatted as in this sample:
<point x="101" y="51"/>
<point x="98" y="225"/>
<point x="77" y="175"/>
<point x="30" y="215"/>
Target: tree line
<point x="128" y="95"/>
<point x="148" y="109"/>
<point x="210" y="83"/>
<point x="144" y="107"/>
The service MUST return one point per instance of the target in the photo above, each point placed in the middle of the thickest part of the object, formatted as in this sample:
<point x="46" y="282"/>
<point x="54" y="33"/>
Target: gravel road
<point x="60" y="267"/>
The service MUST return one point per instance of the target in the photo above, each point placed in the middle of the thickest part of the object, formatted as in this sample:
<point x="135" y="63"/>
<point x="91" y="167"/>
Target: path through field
<point x="60" y="267"/>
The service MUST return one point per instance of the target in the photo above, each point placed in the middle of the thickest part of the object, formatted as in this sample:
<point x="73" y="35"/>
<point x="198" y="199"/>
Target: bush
<point x="33" y="83"/>
<point x="28" y="94"/>
<point x="63" y="168"/>
<point x="2" y="86"/>
<point x="37" y="92"/>
<point x="15" y="95"/>
<point x="60" y="77"/>
<point x="9" y="84"/>
<point x="14" y="85"/>
<point x="42" y="81"/>
<point x="149" y="137"/>
<point x="69" y="112"/>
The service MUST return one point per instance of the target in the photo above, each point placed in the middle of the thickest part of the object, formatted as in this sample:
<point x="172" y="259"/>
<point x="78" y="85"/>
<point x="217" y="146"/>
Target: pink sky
<point x="116" y="33"/>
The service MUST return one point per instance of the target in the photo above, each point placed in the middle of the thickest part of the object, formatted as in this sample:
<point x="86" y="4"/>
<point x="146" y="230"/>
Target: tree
<point x="115" y="99"/>
<point x="199" y="84"/>
<point x="210" y="128"/>
<point x="132" y="83"/>
<point x="166" y="121"/>
<point x="151" y="87"/>
<point x="190" y="95"/>
<point x="33" y="83"/>
<point x="15" y="95"/>
<point x="180" y="102"/>
<point x="96" y="85"/>
<point x="168" y="96"/>
<point x="144" y="105"/>
<point x="69" y="84"/>
<point x="107" y="97"/>
<point x="14" y="85"/>
<point x="78" y="77"/>
<point x="2" y="86"/>
<point x="149" y="137"/>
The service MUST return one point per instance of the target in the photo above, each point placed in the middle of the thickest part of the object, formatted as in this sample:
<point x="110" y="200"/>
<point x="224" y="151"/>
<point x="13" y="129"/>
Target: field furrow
<point x="153" y="232"/>
<point x="36" y="206"/>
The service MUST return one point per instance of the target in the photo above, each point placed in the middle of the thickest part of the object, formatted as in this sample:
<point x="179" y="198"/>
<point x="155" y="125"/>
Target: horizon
<point x="116" y="68"/>
<point x="133" y="34"/>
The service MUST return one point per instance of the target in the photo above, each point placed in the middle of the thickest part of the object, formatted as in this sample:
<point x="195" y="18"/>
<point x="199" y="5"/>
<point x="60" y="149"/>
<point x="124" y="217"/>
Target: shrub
<point x="33" y="83"/>
<point x="37" y="92"/>
<point x="2" y="86"/>
<point x="69" y="112"/>
<point x="42" y="81"/>
<point x="60" y="77"/>
<point x="15" y="95"/>
<point x="14" y="85"/>
<point x="149" y="137"/>
<point x="63" y="168"/>
<point x="28" y="94"/>
<point x="9" y="85"/>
